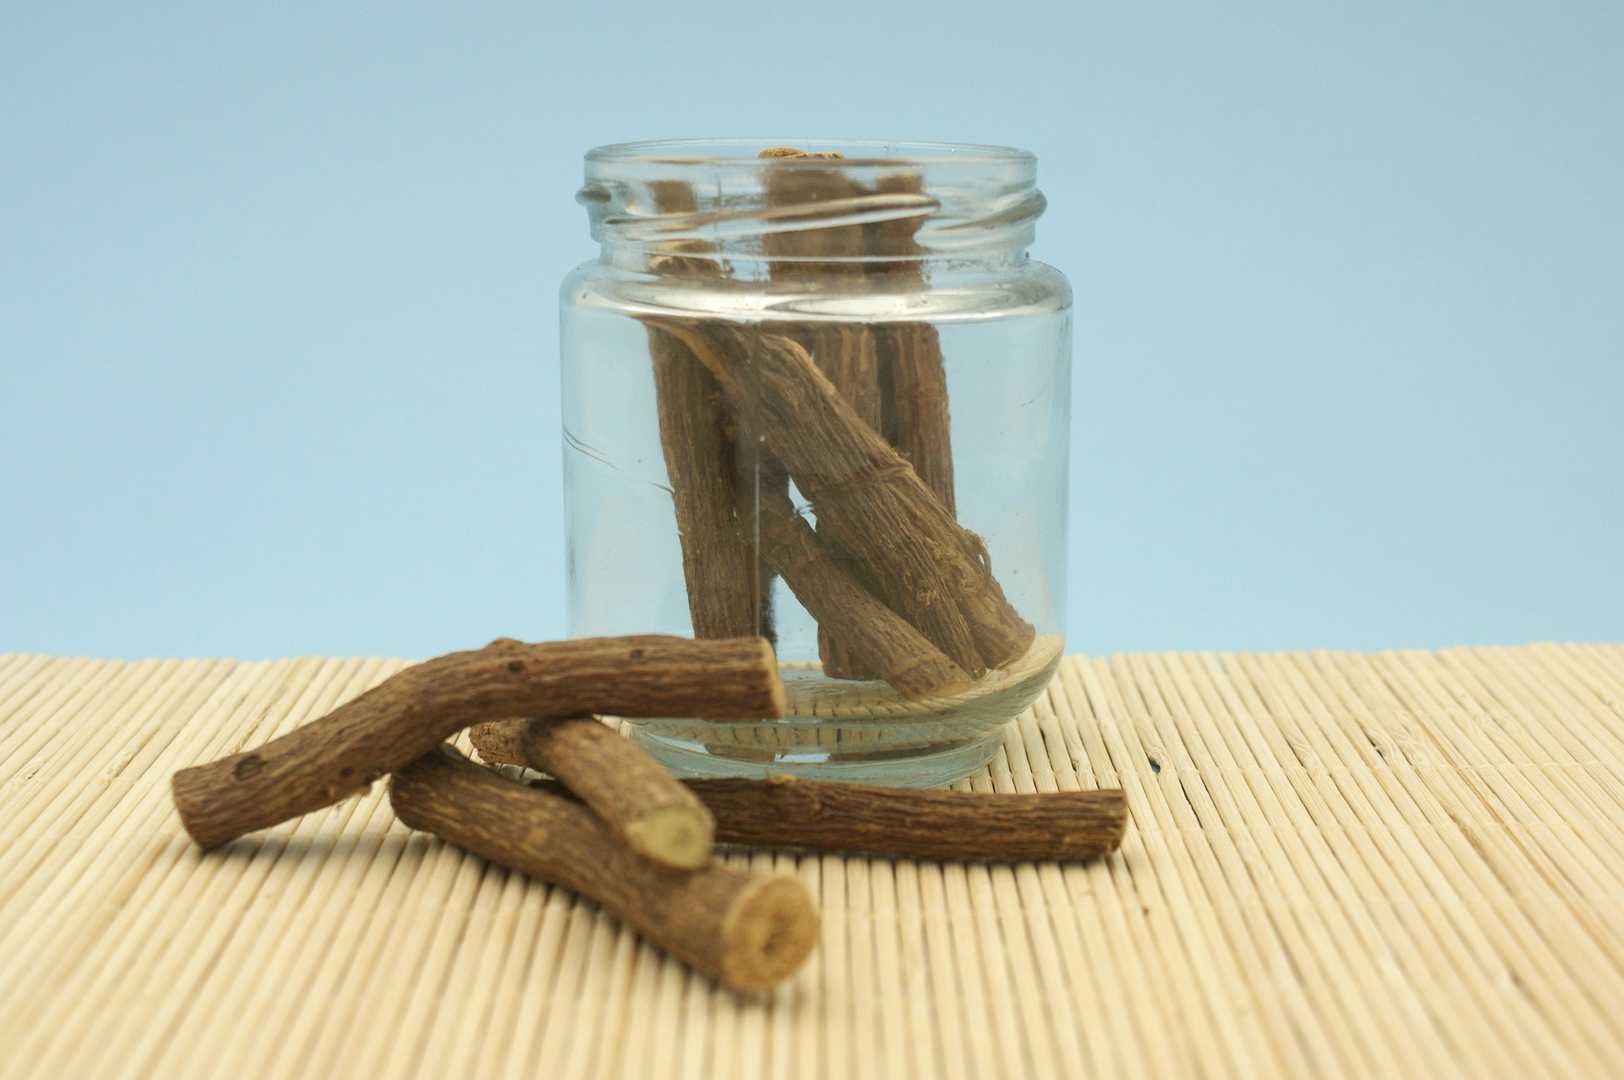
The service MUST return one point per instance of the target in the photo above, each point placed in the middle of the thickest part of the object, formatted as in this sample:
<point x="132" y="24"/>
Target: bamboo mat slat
<point x="1339" y="864"/>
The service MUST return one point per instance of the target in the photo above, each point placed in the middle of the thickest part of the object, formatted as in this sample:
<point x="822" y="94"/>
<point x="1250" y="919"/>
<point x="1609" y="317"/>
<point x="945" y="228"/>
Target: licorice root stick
<point x="852" y="622"/>
<point x="916" y="823"/>
<point x="913" y="823"/>
<point x="706" y="463"/>
<point x="412" y="712"/>
<point x="749" y="932"/>
<point x="629" y="791"/>
<point x="928" y="568"/>
<point x="783" y="811"/>
<point x="657" y="826"/>
<point x="826" y="258"/>
<point x="913" y="376"/>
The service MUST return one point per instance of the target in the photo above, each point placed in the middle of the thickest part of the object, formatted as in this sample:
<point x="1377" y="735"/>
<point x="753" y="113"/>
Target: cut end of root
<point x="772" y="152"/>
<point x="768" y="933"/>
<point x="679" y="836"/>
<point x="775" y="684"/>
<point x="1118" y="806"/>
<point x="498" y="742"/>
<point x="191" y="805"/>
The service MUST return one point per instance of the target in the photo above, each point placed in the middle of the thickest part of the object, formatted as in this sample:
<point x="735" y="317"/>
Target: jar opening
<point x="854" y="153"/>
<point x="811" y="200"/>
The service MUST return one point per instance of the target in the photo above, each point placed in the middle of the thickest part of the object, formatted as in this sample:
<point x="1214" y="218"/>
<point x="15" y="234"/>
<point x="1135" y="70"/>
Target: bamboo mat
<point x="1338" y="864"/>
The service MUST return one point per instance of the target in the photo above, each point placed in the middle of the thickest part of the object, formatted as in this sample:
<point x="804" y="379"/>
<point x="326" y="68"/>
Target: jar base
<point x="861" y="732"/>
<point x="908" y="767"/>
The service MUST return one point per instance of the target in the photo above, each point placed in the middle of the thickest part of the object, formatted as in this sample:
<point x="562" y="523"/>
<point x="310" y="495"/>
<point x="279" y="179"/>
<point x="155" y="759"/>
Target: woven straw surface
<point x="1338" y="864"/>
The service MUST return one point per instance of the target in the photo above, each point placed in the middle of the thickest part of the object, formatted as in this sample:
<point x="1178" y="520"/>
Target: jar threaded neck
<point x="821" y="202"/>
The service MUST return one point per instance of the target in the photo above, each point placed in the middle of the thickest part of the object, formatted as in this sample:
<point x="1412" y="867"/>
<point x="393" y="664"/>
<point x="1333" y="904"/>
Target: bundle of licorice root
<point x="612" y="825"/>
<point x="853" y="412"/>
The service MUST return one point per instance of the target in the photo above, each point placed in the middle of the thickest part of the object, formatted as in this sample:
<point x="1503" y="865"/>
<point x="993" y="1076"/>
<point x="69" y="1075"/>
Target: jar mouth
<point x="745" y="153"/>
<point x="845" y="199"/>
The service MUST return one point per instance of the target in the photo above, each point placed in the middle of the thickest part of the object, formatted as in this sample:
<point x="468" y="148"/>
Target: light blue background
<point x="278" y="366"/>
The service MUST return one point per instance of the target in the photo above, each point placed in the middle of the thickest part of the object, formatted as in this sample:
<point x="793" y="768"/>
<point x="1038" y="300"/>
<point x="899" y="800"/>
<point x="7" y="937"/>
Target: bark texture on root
<point x="413" y="711"/>
<point x="749" y="932"/>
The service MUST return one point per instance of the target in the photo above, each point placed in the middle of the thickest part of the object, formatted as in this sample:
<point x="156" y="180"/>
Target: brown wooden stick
<point x="912" y="373"/>
<point x="926" y="567"/>
<point x="820" y="250"/>
<point x="748" y="932"/>
<point x="410" y="713"/>
<point x="648" y="807"/>
<point x="892" y="649"/>
<point x="727" y="595"/>
<point x="913" y="823"/>
<point x="629" y="791"/>
<point x="724" y="594"/>
<point x="848" y="357"/>
<point x="826" y="258"/>
<point x="918" y="420"/>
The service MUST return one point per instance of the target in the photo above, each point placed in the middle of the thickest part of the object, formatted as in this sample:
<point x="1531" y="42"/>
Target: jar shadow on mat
<point x="819" y="392"/>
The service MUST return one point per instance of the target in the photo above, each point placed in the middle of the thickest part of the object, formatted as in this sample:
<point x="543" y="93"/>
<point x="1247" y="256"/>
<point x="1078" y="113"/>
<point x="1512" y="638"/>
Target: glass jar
<point x="821" y="394"/>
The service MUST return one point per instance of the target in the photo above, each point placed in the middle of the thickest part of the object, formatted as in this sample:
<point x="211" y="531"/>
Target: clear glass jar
<point x="821" y="394"/>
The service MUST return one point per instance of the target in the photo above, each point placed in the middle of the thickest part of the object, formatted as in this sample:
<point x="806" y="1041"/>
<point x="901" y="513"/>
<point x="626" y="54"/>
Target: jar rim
<point x="746" y="153"/>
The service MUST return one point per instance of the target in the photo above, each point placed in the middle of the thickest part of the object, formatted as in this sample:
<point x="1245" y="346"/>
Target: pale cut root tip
<point x="1121" y="821"/>
<point x="679" y="836"/>
<point x="768" y="932"/>
<point x="773" y="152"/>
<point x="189" y="808"/>
<point x="776" y="695"/>
<point x="498" y="741"/>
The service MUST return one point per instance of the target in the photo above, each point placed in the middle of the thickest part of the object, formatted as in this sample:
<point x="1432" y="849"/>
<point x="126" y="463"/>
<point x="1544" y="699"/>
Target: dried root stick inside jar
<point x="818" y="392"/>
